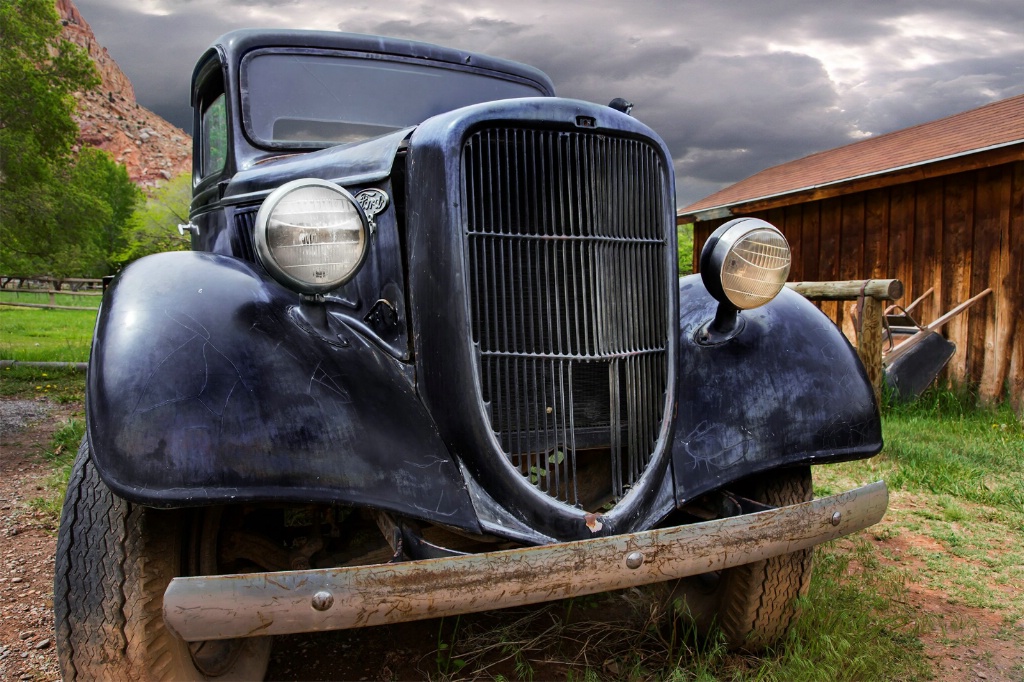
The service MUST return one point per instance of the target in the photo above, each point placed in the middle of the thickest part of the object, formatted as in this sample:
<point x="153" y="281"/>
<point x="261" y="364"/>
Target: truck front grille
<point x="242" y="244"/>
<point x="568" y="281"/>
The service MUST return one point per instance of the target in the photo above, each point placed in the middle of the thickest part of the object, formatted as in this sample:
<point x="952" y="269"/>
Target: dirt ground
<point x="972" y="645"/>
<point x="967" y="643"/>
<point x="26" y="544"/>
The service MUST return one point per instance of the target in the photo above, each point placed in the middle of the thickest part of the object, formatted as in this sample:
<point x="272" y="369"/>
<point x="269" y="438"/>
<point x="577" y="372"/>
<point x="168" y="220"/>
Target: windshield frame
<point x="294" y="145"/>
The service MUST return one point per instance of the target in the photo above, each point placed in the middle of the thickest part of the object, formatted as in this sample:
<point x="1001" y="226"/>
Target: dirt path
<point x="965" y="645"/>
<point x="27" y="540"/>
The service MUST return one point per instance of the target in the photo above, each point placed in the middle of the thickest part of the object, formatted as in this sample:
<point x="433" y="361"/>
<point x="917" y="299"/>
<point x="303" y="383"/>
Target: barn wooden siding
<point x="958" y="232"/>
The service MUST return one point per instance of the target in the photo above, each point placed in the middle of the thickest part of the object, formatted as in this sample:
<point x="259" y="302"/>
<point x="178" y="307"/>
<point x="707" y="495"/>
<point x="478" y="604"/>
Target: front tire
<point x="759" y="600"/>
<point x="754" y="605"/>
<point x="114" y="560"/>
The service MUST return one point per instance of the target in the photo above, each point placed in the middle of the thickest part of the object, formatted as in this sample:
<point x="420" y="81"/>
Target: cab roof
<point x="232" y="46"/>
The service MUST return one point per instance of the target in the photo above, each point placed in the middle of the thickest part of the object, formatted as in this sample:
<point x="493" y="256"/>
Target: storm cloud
<point x="732" y="87"/>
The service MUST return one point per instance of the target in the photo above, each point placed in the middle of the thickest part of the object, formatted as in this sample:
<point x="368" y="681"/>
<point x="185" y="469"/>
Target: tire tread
<point x="758" y="603"/>
<point x="90" y="649"/>
<point x="113" y="562"/>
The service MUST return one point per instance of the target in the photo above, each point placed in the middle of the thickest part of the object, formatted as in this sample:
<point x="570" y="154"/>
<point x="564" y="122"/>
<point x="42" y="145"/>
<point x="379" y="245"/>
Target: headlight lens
<point x="745" y="262"/>
<point x="311" y="235"/>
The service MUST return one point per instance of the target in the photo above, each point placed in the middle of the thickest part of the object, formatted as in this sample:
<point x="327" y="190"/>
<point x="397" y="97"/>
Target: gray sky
<point x="733" y="87"/>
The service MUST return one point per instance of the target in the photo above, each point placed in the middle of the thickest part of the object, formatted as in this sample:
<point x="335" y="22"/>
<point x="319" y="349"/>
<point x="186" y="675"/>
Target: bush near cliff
<point x="154" y="226"/>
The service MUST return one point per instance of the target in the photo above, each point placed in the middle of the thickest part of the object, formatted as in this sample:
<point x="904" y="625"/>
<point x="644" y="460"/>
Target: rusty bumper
<point x="252" y="604"/>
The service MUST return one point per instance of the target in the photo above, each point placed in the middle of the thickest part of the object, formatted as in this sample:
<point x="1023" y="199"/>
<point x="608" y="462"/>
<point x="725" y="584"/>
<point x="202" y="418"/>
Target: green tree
<point x="685" y="233"/>
<point x="105" y="182"/>
<point x="61" y="213"/>
<point x="154" y="226"/>
<point x="39" y="74"/>
<point x="99" y="200"/>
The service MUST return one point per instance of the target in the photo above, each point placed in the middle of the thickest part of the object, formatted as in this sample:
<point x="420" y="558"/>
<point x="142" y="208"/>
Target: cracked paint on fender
<point x="788" y="390"/>
<point x="195" y="398"/>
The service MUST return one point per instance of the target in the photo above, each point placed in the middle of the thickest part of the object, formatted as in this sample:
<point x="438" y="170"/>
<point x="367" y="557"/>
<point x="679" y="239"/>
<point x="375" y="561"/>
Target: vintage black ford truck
<point x="429" y="355"/>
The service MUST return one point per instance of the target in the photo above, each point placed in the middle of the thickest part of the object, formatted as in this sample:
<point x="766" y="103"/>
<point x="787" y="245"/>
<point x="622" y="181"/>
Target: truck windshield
<point x="318" y="100"/>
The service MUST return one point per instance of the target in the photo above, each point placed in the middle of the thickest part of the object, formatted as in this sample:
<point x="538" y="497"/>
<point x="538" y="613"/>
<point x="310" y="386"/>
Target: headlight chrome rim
<point x="265" y="248"/>
<point x="725" y="246"/>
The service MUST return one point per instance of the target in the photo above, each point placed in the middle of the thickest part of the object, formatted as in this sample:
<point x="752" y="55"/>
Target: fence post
<point x="869" y="337"/>
<point x="869" y="342"/>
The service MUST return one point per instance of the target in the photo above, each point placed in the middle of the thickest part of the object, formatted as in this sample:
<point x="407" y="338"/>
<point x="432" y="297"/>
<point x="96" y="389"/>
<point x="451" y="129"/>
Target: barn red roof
<point x="993" y="125"/>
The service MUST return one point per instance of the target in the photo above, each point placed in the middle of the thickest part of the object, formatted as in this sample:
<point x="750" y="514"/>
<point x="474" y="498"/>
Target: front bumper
<point x="278" y="603"/>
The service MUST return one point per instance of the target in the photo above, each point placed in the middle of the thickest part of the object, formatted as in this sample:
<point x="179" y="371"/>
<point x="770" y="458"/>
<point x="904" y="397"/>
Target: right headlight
<point x="311" y="235"/>
<point x="745" y="263"/>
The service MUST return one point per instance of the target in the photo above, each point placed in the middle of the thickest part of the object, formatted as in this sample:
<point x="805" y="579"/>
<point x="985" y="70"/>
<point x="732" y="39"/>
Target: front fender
<point x="789" y="389"/>
<point x="206" y="384"/>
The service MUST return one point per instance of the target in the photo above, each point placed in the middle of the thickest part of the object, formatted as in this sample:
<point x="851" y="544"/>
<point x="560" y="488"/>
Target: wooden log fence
<point x="58" y="283"/>
<point x="52" y="288"/>
<point x="869" y="333"/>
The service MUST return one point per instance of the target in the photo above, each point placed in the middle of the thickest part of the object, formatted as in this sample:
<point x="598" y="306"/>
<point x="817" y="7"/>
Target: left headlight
<point x="311" y="235"/>
<point x="745" y="263"/>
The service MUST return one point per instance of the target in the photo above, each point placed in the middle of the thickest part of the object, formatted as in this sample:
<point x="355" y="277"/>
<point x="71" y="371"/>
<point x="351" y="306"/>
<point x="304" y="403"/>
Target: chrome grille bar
<point x="567" y="278"/>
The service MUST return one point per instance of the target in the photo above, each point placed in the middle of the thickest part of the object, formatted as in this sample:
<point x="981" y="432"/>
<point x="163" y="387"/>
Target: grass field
<point x="955" y="524"/>
<point x="40" y="335"/>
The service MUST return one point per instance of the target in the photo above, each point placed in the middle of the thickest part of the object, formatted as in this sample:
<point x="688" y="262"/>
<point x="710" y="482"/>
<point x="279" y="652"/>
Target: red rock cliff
<point x="150" y="148"/>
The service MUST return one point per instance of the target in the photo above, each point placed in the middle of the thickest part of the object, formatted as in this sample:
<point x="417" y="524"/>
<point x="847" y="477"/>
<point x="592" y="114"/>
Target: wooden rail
<point x="56" y="282"/>
<point x="48" y="306"/>
<point x="52" y="293"/>
<point x="52" y="290"/>
<point x="869" y="332"/>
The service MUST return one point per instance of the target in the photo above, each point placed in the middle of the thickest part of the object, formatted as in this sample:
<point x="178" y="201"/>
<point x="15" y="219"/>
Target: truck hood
<point x="347" y="164"/>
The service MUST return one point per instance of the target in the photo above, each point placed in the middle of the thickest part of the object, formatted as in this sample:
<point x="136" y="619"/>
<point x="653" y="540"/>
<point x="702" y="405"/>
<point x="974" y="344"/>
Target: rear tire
<point x="114" y="560"/>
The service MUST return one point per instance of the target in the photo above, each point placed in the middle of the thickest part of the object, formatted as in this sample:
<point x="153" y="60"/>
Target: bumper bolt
<point x="836" y="518"/>
<point x="634" y="560"/>
<point x="323" y="600"/>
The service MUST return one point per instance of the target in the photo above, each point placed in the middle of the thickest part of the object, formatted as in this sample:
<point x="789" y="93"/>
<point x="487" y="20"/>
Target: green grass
<point x="855" y="624"/>
<point x="62" y="385"/>
<point x="953" y="451"/>
<point x="947" y="448"/>
<point x="61" y="455"/>
<point x="38" y="335"/>
<point x="956" y="516"/>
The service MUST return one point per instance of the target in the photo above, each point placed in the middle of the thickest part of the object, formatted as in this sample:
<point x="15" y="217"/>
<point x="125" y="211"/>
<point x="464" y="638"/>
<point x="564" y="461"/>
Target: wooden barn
<point x="939" y="206"/>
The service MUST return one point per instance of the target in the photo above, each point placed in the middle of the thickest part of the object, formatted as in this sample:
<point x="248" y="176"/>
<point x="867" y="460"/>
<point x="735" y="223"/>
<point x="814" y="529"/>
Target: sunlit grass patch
<point x="37" y="335"/>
